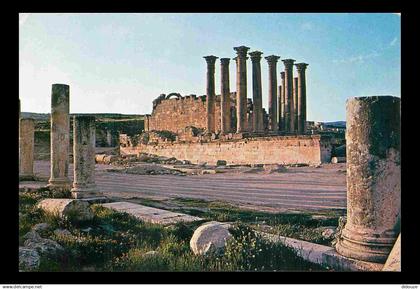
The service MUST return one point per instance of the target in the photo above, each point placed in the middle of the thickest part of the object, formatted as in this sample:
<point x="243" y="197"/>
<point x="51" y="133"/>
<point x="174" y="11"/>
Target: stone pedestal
<point x="26" y="148"/>
<point x="301" y="97"/>
<point x="257" y="112"/>
<point x="225" y="116"/>
<point x="373" y="178"/>
<point x="60" y="137"/>
<point x="210" y="93"/>
<point x="241" y="88"/>
<point x="289" y="125"/>
<point x="84" y="157"/>
<point x="272" y="92"/>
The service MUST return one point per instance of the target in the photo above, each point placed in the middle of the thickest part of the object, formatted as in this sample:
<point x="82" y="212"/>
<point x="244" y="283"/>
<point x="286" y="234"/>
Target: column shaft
<point x="282" y="102"/>
<point x="84" y="157"/>
<point x="60" y="136"/>
<point x="241" y="89"/>
<point x="257" y="113"/>
<point x="272" y="92"/>
<point x="279" y="107"/>
<point x="210" y="93"/>
<point x="373" y="178"/>
<point x="301" y="69"/>
<point x="288" y="98"/>
<point x="225" y="116"/>
<point x="295" y="104"/>
<point x="26" y="148"/>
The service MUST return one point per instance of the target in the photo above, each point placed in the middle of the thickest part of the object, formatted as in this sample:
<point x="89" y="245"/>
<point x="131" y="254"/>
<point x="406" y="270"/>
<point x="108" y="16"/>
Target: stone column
<point x="210" y="93"/>
<point x="301" y="112"/>
<point x="289" y="125"/>
<point x="60" y="137"/>
<point x="241" y="98"/>
<point x="373" y="178"/>
<point x="257" y="120"/>
<point x="109" y="138"/>
<point x="26" y="148"/>
<point x="84" y="157"/>
<point x="272" y="92"/>
<point x="279" y="107"/>
<point x="224" y="96"/>
<point x="282" y="102"/>
<point x="295" y="104"/>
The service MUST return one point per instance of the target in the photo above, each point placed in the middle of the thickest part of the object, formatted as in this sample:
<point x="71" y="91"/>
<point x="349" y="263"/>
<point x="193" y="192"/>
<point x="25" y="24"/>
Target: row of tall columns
<point x="292" y="114"/>
<point x="287" y="110"/>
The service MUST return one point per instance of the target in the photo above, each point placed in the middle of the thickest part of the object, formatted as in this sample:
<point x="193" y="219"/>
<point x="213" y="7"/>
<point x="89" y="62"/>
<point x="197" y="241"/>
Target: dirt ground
<point x="293" y="189"/>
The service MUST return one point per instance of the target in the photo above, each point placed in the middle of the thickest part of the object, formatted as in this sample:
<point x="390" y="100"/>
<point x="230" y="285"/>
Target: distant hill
<point x="339" y="124"/>
<point x="46" y="116"/>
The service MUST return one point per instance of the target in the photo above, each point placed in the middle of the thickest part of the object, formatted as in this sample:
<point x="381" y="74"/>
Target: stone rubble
<point x="210" y="238"/>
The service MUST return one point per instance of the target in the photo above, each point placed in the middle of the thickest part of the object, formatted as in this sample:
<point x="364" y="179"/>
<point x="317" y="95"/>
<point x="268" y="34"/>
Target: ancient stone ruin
<point x="373" y="178"/>
<point x="231" y="126"/>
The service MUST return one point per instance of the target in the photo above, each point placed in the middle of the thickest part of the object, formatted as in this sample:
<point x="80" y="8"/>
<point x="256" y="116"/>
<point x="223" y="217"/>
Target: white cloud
<point x="359" y="58"/>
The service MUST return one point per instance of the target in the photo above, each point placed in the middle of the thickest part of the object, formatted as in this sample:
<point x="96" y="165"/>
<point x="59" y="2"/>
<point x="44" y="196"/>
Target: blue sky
<point x="120" y="62"/>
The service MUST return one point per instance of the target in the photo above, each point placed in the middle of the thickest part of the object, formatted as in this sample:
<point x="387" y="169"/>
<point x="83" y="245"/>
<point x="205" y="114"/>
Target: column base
<point x="85" y="192"/>
<point x="365" y="247"/>
<point x="62" y="183"/>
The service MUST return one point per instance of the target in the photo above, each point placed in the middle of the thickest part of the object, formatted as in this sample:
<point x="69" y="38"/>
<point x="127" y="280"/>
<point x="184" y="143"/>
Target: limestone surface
<point x="75" y="209"/>
<point x="210" y="238"/>
<point x="373" y="178"/>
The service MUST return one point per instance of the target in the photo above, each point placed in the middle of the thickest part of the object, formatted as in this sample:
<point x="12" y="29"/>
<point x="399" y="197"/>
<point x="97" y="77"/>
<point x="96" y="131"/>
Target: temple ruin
<point x="232" y="127"/>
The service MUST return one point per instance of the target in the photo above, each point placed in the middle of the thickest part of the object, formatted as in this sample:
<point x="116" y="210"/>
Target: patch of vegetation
<point x="115" y="241"/>
<point x="295" y="225"/>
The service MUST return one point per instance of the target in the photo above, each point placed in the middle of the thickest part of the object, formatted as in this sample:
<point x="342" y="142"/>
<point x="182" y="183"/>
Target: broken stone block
<point x="274" y="168"/>
<point x="77" y="210"/>
<point x="99" y="159"/>
<point x="29" y="259"/>
<point x="109" y="159"/>
<point x="43" y="246"/>
<point x="210" y="238"/>
<point x="393" y="263"/>
<point x="336" y="160"/>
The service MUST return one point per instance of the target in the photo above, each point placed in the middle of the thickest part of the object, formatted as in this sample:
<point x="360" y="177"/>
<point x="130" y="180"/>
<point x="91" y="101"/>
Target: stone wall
<point x="310" y="149"/>
<point x="175" y="114"/>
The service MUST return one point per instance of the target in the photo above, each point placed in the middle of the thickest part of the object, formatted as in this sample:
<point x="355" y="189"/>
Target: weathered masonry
<point x="232" y="126"/>
<point x="309" y="149"/>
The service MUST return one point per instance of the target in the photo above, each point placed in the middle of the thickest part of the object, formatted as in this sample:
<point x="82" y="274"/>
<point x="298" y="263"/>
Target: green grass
<point x="115" y="241"/>
<point x="295" y="225"/>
